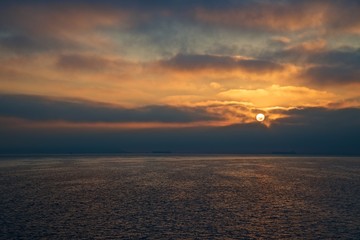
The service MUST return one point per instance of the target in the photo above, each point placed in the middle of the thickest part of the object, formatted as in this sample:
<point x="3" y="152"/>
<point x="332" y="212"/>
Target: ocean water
<point x="180" y="197"/>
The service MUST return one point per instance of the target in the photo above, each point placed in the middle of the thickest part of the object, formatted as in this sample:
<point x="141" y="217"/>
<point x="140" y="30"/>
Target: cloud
<point x="342" y="16"/>
<point x="334" y="67"/>
<point x="341" y="56"/>
<point x="279" y="16"/>
<point x="83" y="62"/>
<point x="57" y="18"/>
<point x="279" y="41"/>
<point x="323" y="118"/>
<point x="298" y="53"/>
<point x="263" y="16"/>
<point x="222" y="63"/>
<point x="345" y="103"/>
<point x="334" y="75"/>
<point x="24" y="44"/>
<point x="320" y="65"/>
<point x="288" y="15"/>
<point x="276" y="95"/>
<point x="215" y="85"/>
<point x="305" y="131"/>
<point x="38" y="108"/>
<point x="46" y="26"/>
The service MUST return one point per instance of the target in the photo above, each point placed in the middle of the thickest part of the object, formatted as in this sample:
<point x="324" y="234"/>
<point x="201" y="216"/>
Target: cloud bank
<point x="48" y="109"/>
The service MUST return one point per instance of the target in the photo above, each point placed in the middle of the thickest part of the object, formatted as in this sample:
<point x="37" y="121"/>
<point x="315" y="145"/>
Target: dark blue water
<point x="192" y="197"/>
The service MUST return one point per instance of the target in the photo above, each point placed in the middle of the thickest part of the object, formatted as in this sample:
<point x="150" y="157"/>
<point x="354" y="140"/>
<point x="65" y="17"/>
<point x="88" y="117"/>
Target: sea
<point x="161" y="196"/>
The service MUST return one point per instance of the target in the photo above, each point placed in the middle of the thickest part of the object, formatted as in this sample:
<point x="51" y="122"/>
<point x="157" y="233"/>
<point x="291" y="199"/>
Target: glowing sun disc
<point x="260" y="117"/>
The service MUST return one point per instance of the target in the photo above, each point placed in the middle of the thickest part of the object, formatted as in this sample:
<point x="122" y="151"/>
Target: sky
<point x="180" y="76"/>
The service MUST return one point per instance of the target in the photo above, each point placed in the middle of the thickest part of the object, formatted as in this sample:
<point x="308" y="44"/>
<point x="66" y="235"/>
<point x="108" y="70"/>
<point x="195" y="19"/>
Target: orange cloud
<point x="285" y="96"/>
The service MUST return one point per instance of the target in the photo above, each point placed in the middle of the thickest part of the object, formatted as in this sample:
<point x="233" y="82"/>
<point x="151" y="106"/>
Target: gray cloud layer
<point x="327" y="66"/>
<point x="336" y="67"/>
<point x="278" y="16"/>
<point x="46" y="109"/>
<point x="199" y="62"/>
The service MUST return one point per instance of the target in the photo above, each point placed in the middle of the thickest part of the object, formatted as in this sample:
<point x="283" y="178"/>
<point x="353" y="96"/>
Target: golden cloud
<point x="276" y="95"/>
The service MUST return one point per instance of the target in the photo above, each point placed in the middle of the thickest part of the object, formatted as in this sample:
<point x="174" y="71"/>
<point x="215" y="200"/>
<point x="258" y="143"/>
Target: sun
<point x="260" y="117"/>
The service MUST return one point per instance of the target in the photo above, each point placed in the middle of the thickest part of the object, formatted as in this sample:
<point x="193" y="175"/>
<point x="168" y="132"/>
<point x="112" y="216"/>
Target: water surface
<point x="180" y="197"/>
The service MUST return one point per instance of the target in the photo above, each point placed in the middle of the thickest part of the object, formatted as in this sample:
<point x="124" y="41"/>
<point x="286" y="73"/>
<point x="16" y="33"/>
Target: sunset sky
<point x="181" y="76"/>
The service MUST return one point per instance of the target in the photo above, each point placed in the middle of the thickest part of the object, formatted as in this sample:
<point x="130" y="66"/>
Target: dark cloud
<point x="160" y="5"/>
<point x="328" y="131"/>
<point x="305" y="131"/>
<point x="327" y="66"/>
<point x="24" y="44"/>
<point x="332" y="75"/>
<point x="199" y="62"/>
<point x="346" y="56"/>
<point x="343" y="16"/>
<point x="46" y="109"/>
<point x="345" y="118"/>
<point x="343" y="56"/>
<point x="334" y="67"/>
<point x="285" y="15"/>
